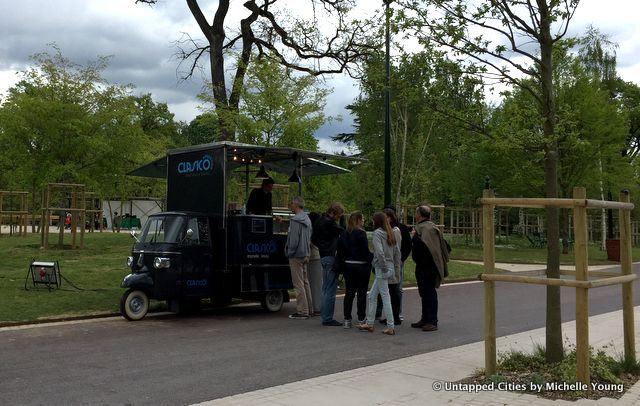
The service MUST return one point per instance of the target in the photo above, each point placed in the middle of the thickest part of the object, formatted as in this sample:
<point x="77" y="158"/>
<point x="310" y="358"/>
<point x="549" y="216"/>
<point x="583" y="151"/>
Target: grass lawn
<point x="457" y="271"/>
<point x="98" y="269"/>
<point x="518" y="250"/>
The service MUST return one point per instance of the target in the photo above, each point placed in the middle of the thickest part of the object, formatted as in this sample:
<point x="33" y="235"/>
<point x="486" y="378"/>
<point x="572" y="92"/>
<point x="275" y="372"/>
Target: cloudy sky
<point x="140" y="38"/>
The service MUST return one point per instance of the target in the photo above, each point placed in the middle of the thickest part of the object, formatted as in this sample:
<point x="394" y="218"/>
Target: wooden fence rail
<point x="581" y="283"/>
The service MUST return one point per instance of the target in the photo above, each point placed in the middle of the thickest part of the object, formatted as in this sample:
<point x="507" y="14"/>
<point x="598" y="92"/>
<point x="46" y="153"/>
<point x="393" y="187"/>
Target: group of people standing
<point x="346" y="251"/>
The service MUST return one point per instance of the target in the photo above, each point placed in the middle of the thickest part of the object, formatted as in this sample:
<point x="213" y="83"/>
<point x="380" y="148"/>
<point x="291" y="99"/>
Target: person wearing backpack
<point x="355" y="258"/>
<point x="326" y="232"/>
<point x="429" y="252"/>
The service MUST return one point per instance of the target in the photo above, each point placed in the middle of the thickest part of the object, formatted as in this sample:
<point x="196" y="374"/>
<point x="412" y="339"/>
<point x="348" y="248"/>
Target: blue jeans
<point x="395" y="300"/>
<point x="329" y="286"/>
<point x="380" y="286"/>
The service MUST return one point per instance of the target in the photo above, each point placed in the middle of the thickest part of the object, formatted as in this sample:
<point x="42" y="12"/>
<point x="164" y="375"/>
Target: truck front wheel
<point x="134" y="304"/>
<point x="272" y="300"/>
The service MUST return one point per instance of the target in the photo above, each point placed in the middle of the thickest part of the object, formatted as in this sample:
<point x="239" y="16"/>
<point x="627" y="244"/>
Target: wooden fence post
<point x="488" y="252"/>
<point x="582" y="294"/>
<point x="627" y="288"/>
<point x="83" y="214"/>
<point x="74" y="216"/>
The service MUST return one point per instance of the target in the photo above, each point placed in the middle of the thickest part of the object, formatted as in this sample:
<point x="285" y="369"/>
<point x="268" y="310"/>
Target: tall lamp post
<point x="387" y="113"/>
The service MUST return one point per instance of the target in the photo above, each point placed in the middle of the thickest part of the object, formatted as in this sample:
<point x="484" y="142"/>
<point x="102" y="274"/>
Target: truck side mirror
<point x="134" y="235"/>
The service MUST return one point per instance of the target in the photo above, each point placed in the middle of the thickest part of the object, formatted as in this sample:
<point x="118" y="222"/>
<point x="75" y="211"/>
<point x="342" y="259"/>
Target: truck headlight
<point x="129" y="262"/>
<point x="160" y="262"/>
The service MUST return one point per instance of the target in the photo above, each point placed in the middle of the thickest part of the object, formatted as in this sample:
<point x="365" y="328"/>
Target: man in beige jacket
<point x="430" y="253"/>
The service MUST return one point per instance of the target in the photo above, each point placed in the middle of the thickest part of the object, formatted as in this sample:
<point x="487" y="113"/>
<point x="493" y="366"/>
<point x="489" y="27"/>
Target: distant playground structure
<point x="518" y="223"/>
<point x="14" y="212"/>
<point x="69" y="201"/>
<point x="69" y="207"/>
<point x="530" y="223"/>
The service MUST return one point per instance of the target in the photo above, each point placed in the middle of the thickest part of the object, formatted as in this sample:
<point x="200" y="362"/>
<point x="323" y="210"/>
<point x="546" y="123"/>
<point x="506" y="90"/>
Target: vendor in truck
<point x="259" y="202"/>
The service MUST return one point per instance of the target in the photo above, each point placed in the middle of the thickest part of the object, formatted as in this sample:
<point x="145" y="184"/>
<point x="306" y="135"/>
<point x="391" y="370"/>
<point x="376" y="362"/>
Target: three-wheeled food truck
<point x="205" y="247"/>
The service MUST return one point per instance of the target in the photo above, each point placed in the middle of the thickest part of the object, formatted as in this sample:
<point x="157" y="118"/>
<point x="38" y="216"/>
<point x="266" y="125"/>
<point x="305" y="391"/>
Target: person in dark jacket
<point x="430" y="253"/>
<point x="326" y="232"/>
<point x="405" y="252"/>
<point x="260" y="199"/>
<point x="355" y="257"/>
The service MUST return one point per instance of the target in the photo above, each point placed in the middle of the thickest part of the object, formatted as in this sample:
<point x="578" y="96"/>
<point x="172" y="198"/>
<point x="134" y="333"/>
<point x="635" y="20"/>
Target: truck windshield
<point x="169" y="229"/>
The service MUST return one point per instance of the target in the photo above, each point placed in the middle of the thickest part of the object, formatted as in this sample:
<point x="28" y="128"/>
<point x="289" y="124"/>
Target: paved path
<point x="109" y="362"/>
<point x="423" y="379"/>
<point x="541" y="267"/>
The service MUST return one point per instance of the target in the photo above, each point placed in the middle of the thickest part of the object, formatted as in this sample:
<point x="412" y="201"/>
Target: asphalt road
<point x="171" y="360"/>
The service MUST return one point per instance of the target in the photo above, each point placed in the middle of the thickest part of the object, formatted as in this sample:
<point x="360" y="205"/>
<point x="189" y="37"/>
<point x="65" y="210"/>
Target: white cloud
<point x="8" y="78"/>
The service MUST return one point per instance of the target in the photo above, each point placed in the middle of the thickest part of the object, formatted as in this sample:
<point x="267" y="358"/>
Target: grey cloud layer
<point x="142" y="50"/>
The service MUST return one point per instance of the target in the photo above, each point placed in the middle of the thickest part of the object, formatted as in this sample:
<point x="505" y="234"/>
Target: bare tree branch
<point x="298" y="46"/>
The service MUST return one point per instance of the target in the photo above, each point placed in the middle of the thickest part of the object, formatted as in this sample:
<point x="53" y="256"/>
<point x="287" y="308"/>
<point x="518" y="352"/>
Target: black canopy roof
<point x="278" y="159"/>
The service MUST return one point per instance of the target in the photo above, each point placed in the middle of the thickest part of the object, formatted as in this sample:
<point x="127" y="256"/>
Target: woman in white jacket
<point x="386" y="258"/>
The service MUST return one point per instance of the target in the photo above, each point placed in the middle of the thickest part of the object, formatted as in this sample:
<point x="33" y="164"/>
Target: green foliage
<point x="64" y="123"/>
<point x="602" y="367"/>
<point x="156" y="121"/>
<point x="433" y="105"/>
<point x="202" y="129"/>
<point x="628" y="94"/>
<point x="625" y="366"/>
<point x="279" y="107"/>
<point x="523" y="362"/>
<point x="532" y="373"/>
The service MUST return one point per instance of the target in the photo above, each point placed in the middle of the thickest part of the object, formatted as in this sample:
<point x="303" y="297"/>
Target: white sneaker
<point x="347" y="324"/>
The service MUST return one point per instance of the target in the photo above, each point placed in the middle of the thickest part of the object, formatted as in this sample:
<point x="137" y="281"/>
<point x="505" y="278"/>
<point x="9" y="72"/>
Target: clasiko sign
<point x="258" y="250"/>
<point x="197" y="282"/>
<point x="262" y="248"/>
<point x="202" y="165"/>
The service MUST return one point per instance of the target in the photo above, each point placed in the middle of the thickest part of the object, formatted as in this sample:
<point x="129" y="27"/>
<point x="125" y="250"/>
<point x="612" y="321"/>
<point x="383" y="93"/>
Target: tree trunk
<point x="603" y="212"/>
<point x="564" y="230"/>
<point x="405" y="125"/>
<point x="34" y="213"/>
<point x="61" y="218"/>
<point x="215" y="35"/>
<point x="420" y="156"/>
<point x="554" y="350"/>
<point x="218" y="82"/>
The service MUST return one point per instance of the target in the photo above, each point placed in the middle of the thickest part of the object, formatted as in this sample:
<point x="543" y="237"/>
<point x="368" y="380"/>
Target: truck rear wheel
<point x="272" y="300"/>
<point x="134" y="304"/>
